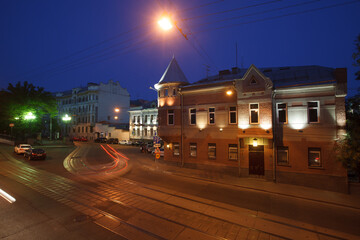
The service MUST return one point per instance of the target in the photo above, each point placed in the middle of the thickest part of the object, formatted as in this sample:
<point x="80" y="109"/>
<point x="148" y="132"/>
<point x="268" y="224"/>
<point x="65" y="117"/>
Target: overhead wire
<point x="232" y="10"/>
<point x="281" y="16"/>
<point x="86" y="58"/>
<point x="22" y="75"/>
<point x="259" y="13"/>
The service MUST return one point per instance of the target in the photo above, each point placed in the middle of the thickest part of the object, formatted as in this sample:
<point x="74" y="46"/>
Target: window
<point x="313" y="112"/>
<point x="232" y="115"/>
<point x="159" y="93"/>
<point x="138" y="119"/>
<point x="233" y="151"/>
<point x="134" y="119"/>
<point x="212" y="150"/>
<point x="170" y="117"/>
<point x="193" y="150"/>
<point x="133" y="132"/>
<point x="176" y="149"/>
<point x="314" y="157"/>
<point x="151" y="119"/>
<point x="211" y="115"/>
<point x="146" y="119"/>
<point x="192" y="116"/>
<point x="174" y="92"/>
<point x="108" y="117"/>
<point x="281" y="112"/>
<point x="166" y="92"/>
<point x="138" y="132"/>
<point x="145" y="132"/>
<point x="151" y="132"/>
<point x="254" y="113"/>
<point x="282" y="155"/>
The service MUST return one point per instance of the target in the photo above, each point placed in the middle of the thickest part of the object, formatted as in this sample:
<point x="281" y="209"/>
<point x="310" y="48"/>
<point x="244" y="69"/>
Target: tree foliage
<point x="20" y="99"/>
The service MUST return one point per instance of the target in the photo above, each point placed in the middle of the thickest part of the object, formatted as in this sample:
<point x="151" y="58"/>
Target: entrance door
<point x="256" y="160"/>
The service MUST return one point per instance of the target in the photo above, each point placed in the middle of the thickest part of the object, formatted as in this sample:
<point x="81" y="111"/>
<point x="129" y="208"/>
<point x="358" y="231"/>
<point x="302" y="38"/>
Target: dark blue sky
<point x="64" y="44"/>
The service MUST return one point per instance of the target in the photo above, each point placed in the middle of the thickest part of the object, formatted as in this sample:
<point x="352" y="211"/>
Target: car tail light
<point x="33" y="153"/>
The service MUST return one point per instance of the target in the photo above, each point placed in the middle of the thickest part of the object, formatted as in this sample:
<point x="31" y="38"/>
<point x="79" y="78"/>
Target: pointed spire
<point x="173" y="73"/>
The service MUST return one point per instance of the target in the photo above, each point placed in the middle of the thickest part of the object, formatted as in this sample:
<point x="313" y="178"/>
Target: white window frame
<point x="284" y="149"/>
<point x="192" y="114"/>
<point x="209" y="116"/>
<point x="311" y="108"/>
<point x="212" y="146"/>
<point x="168" y="117"/>
<point x="278" y="113"/>
<point x="177" y="147"/>
<point x="192" y="146"/>
<point x="254" y="110"/>
<point x="235" y="115"/>
<point x="232" y="147"/>
<point x="315" y="150"/>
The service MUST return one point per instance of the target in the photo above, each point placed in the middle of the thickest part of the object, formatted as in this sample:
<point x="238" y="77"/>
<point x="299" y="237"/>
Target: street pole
<point x="182" y="127"/>
<point x="50" y="128"/>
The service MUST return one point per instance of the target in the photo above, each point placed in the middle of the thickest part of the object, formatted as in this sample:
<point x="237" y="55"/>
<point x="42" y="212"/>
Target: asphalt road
<point x="318" y="214"/>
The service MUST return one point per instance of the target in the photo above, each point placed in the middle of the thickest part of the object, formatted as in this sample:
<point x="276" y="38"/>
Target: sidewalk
<point x="255" y="184"/>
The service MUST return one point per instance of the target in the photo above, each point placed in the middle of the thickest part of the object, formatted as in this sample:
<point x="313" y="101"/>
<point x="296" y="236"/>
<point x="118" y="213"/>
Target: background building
<point x="280" y="124"/>
<point x="143" y="121"/>
<point x="105" y="102"/>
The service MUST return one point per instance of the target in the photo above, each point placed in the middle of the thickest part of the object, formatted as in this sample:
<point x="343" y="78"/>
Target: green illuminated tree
<point x="20" y="99"/>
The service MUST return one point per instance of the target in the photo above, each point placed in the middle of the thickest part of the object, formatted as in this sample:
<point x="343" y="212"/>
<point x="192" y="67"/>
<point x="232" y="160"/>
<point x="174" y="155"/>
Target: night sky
<point x="65" y="44"/>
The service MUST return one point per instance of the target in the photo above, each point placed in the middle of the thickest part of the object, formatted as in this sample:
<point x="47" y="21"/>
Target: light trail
<point x="7" y="196"/>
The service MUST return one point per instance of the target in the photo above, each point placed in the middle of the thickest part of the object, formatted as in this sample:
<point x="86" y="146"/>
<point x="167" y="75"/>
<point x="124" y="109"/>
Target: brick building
<point x="280" y="124"/>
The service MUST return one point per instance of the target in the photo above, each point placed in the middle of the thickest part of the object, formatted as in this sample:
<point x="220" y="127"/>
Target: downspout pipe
<point x="182" y="127"/>
<point x="274" y="132"/>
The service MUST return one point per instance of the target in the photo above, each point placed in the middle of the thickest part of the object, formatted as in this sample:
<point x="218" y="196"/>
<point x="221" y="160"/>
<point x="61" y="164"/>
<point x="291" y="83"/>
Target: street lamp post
<point x="66" y="119"/>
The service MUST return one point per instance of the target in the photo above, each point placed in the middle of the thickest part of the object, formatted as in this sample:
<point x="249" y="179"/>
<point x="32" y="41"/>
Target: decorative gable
<point x="253" y="81"/>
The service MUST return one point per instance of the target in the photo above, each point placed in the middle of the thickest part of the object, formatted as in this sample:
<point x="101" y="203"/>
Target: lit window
<point x="212" y="150"/>
<point x="314" y="157"/>
<point x="232" y="115"/>
<point x="193" y="150"/>
<point x="313" y="112"/>
<point x="170" y="117"/>
<point x="281" y="112"/>
<point x="233" y="151"/>
<point x="176" y="149"/>
<point x="192" y="116"/>
<point x="211" y="115"/>
<point x="254" y="113"/>
<point x="282" y="155"/>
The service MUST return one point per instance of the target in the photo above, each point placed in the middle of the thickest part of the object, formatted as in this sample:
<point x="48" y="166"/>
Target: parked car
<point x="75" y="139"/>
<point x="112" y="141"/>
<point x="100" y="140"/>
<point x="137" y="143"/>
<point x="161" y="152"/>
<point x="35" y="153"/>
<point x="147" y="148"/>
<point x="21" y="148"/>
<point x="83" y="139"/>
<point x="125" y="142"/>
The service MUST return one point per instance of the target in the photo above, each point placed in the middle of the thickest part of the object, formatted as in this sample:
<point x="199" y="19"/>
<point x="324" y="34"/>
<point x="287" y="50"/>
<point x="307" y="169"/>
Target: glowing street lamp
<point x="29" y="116"/>
<point x="66" y="118"/>
<point x="165" y="23"/>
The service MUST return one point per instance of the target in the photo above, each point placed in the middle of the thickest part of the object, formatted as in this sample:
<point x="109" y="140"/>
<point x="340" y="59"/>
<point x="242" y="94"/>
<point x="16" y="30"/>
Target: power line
<point x="280" y="16"/>
<point x="200" y="6"/>
<point x="232" y="10"/>
<point x="86" y="58"/>
<point x="97" y="59"/>
<point x="259" y="13"/>
<point x="81" y="51"/>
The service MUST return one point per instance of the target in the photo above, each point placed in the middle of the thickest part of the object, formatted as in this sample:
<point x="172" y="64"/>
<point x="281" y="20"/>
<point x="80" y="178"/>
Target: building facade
<point x="280" y="124"/>
<point x="143" y="122"/>
<point x="105" y="102"/>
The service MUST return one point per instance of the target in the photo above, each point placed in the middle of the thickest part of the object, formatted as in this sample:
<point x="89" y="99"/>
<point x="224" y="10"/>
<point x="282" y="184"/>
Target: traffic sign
<point x="11" y="125"/>
<point x="157" y="156"/>
<point x="157" y="150"/>
<point x="157" y="145"/>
